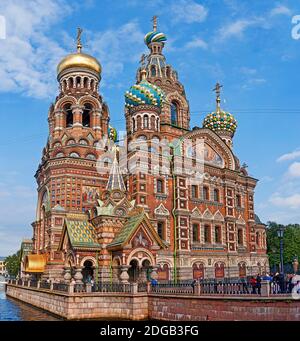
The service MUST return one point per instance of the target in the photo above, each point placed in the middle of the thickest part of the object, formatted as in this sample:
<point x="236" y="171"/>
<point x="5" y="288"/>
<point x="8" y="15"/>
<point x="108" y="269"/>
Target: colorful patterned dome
<point x="144" y="93"/>
<point x="155" y="37"/>
<point x="220" y="121"/>
<point x="112" y="133"/>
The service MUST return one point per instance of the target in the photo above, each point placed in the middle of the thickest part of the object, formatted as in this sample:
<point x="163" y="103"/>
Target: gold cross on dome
<point x="217" y="89"/>
<point x="154" y="20"/>
<point x="79" y="45"/>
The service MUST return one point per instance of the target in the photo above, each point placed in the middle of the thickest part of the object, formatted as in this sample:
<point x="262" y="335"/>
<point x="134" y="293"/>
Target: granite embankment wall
<point x="84" y="305"/>
<point x="187" y="308"/>
<point x="139" y="306"/>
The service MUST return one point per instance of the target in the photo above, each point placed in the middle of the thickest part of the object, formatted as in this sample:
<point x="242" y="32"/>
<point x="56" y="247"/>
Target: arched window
<point x="85" y="82"/>
<point x="238" y="200"/>
<point x="240" y="237"/>
<point x="153" y="71"/>
<point x="91" y="157"/>
<point x="69" y="115"/>
<point x="59" y="154"/>
<point x="216" y="195"/>
<point x="174" y="113"/>
<point x="196" y="232"/>
<point x="86" y="119"/>
<point x="207" y="236"/>
<point x="74" y="154"/>
<point x="161" y="230"/>
<point x="218" y="234"/>
<point x="83" y="142"/>
<point x="133" y="124"/>
<point x="168" y="71"/>
<point x="78" y="80"/>
<point x="146" y="121"/>
<point x="205" y="193"/>
<point x="70" y="142"/>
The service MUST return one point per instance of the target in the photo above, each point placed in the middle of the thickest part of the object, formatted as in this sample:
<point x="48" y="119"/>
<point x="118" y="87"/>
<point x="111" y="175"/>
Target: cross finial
<point x="217" y="89"/>
<point x="79" y="45"/>
<point x="154" y="20"/>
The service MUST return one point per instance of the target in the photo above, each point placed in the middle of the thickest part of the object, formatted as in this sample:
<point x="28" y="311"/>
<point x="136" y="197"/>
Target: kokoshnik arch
<point x="130" y="226"/>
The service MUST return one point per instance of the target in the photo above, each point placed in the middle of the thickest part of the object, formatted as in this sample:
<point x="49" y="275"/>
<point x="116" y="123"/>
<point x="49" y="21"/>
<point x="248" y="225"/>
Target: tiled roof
<point x="127" y="229"/>
<point x="81" y="234"/>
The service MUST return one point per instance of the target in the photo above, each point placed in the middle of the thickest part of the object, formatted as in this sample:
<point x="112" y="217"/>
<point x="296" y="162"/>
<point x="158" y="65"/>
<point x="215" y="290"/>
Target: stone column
<point x="67" y="275"/>
<point x="77" y="115"/>
<point x="58" y="126"/>
<point x="96" y="119"/>
<point x="124" y="277"/>
<point x="78" y="275"/>
<point x="265" y="288"/>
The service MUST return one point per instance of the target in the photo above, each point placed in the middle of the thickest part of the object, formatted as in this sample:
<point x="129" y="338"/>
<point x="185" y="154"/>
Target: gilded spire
<point x="217" y="89"/>
<point x="154" y="20"/>
<point x="79" y="45"/>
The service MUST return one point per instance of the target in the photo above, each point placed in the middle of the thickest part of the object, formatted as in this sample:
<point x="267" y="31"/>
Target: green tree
<point x="12" y="264"/>
<point x="291" y="243"/>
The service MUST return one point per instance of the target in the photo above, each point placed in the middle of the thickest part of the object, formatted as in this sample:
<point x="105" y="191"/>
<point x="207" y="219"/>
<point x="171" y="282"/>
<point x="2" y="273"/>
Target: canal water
<point x="14" y="310"/>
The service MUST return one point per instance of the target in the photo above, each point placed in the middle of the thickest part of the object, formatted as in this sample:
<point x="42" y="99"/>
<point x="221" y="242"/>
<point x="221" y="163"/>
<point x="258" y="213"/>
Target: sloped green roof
<point x="126" y="231"/>
<point x="81" y="234"/>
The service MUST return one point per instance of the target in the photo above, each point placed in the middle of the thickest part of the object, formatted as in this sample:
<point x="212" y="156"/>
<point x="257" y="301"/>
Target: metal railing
<point x="112" y="287"/>
<point x="61" y="287"/>
<point x="45" y="285"/>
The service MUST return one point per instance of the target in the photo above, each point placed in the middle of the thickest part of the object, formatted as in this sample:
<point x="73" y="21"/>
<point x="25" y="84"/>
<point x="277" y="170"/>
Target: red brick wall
<point x="218" y="309"/>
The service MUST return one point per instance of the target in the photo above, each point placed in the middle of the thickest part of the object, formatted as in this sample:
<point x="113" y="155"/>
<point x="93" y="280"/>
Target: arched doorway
<point x="133" y="271"/>
<point x="87" y="271"/>
<point x="145" y="271"/>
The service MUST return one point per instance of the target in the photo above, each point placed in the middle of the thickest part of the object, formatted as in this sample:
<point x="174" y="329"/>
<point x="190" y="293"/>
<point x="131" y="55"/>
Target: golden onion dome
<point x="79" y="59"/>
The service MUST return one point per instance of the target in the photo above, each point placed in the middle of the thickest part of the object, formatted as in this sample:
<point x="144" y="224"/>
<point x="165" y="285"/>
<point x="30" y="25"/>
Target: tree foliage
<point x="12" y="264"/>
<point x="291" y="243"/>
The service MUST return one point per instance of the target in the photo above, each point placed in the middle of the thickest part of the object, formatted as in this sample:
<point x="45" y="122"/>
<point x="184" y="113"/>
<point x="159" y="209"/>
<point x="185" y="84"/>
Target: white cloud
<point x="289" y="156"/>
<point x="292" y="201"/>
<point x="196" y="43"/>
<point x="28" y="56"/>
<point x="294" y="170"/>
<point x="237" y="28"/>
<point x="280" y="10"/>
<point x="188" y="11"/>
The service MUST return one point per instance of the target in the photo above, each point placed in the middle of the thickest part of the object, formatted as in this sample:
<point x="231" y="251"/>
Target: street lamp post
<point x="280" y="233"/>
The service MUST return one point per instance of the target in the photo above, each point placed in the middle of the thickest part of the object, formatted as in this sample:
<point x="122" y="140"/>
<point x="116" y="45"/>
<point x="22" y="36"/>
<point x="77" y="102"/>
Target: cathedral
<point x="167" y="201"/>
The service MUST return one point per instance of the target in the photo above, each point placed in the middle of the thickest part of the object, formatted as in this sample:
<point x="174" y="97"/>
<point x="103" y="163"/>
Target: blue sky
<point x="245" y="45"/>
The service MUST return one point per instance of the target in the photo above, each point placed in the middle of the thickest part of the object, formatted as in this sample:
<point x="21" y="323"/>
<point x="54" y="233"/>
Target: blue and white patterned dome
<point x="144" y="93"/>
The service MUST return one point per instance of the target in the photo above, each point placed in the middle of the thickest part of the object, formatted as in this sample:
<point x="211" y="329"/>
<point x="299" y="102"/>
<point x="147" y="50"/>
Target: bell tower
<point x="67" y="177"/>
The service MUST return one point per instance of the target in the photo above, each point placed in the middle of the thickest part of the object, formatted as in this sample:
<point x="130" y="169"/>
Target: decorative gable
<point x="196" y="214"/>
<point x="207" y="214"/>
<point x="161" y="210"/>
